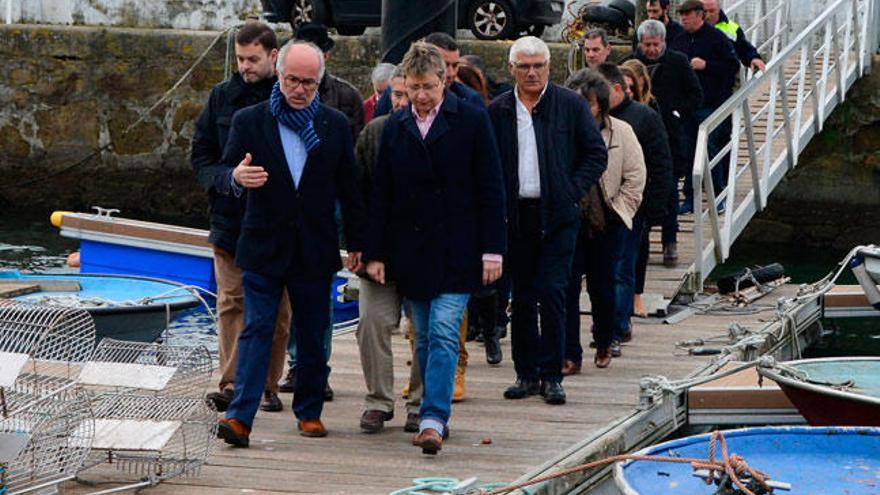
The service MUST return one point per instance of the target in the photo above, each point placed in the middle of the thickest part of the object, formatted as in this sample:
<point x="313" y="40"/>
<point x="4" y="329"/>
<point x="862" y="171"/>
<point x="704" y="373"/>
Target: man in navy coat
<point x="551" y="155"/>
<point x="295" y="160"/>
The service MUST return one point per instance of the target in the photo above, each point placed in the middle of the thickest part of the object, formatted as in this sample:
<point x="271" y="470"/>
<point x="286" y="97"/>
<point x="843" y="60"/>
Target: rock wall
<point x="68" y="91"/>
<point x="832" y="198"/>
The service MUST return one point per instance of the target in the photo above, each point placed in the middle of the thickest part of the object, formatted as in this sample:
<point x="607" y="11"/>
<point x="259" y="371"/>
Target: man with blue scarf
<point x="295" y="160"/>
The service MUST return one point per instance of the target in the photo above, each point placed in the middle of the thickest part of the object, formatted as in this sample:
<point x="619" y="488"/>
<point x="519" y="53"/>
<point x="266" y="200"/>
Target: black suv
<point x="487" y="19"/>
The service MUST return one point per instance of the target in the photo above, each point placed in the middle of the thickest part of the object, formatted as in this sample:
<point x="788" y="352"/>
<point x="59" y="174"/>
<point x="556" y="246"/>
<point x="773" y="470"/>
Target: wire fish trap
<point x="44" y="440"/>
<point x="148" y="369"/>
<point x="143" y="440"/>
<point x="47" y="344"/>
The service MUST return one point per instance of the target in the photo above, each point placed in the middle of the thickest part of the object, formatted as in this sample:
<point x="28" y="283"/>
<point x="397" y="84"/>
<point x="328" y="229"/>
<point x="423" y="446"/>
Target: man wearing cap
<point x="335" y="92"/>
<point x="712" y="57"/>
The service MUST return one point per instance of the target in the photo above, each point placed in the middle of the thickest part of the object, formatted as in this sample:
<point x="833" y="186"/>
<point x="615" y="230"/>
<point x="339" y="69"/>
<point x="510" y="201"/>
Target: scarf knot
<point x="299" y="121"/>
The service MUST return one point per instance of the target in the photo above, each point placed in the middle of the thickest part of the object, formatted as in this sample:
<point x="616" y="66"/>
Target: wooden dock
<point x="524" y="434"/>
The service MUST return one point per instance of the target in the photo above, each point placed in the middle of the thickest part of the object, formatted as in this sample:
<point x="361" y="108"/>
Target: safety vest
<point x="729" y="28"/>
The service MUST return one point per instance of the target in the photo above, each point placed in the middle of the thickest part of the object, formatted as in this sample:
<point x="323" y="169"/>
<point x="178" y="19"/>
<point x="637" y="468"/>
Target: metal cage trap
<point x="46" y="422"/>
<point x="151" y="419"/>
<point x="148" y="438"/>
<point x="150" y="369"/>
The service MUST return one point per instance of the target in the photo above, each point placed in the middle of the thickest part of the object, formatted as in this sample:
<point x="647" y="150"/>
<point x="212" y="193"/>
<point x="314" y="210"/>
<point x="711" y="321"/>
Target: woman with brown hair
<point x="639" y="82"/>
<point x="472" y="77"/>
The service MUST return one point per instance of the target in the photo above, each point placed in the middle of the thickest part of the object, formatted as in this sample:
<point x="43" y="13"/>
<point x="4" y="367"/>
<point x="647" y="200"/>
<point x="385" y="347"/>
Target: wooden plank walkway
<point x="524" y="433"/>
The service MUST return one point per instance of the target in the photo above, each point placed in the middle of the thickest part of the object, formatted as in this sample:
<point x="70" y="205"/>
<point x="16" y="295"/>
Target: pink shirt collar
<point x="424" y="125"/>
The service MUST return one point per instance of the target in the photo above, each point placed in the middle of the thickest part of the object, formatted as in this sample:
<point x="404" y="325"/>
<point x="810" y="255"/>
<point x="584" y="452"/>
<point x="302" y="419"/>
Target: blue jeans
<point x="437" y="322"/>
<point x="624" y="266"/>
<point x="308" y="299"/>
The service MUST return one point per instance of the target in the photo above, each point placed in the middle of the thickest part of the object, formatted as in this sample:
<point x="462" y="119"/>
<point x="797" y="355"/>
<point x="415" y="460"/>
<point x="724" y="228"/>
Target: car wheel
<point x="351" y="30"/>
<point x="304" y="11"/>
<point x="491" y="19"/>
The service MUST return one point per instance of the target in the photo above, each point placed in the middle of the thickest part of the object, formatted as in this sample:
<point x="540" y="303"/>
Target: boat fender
<point x="56" y="216"/>
<point x="745" y="276"/>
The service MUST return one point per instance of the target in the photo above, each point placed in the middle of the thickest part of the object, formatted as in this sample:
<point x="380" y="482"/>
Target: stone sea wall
<point x="68" y="91"/>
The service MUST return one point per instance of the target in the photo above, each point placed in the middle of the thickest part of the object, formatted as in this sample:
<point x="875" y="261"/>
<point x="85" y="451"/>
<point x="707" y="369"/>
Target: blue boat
<point x="813" y="461"/>
<point x="116" y="245"/>
<point x="123" y="307"/>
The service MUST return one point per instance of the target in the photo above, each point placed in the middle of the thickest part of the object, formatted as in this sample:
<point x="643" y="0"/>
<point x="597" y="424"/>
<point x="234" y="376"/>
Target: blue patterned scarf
<point x="300" y="121"/>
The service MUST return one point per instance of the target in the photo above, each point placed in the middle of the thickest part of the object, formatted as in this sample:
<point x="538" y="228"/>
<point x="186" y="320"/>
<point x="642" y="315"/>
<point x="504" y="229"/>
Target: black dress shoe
<point x="373" y="420"/>
<point x="412" y="423"/>
<point x="501" y="332"/>
<point x="220" y="400"/>
<point x="553" y="392"/>
<point x="289" y="382"/>
<point x="493" y="347"/>
<point x="328" y="393"/>
<point x="523" y="388"/>
<point x="271" y="402"/>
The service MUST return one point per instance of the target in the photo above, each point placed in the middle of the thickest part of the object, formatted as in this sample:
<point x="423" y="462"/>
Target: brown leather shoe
<point x="603" y="357"/>
<point x="373" y="420"/>
<point x="429" y="440"/>
<point x="412" y="423"/>
<point x="312" y="428"/>
<point x="570" y="368"/>
<point x="234" y="432"/>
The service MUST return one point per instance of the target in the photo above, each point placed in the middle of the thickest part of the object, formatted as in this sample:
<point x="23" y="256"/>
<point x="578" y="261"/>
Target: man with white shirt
<point x="551" y="155"/>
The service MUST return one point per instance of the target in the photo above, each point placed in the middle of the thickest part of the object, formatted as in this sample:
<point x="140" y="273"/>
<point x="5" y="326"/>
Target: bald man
<point x="295" y="158"/>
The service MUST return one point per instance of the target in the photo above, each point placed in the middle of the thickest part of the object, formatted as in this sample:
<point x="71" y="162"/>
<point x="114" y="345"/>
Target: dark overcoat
<point x="291" y="231"/>
<point x="437" y="203"/>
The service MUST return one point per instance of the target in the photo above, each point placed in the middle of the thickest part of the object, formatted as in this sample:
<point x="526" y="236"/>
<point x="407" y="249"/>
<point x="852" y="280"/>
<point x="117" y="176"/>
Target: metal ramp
<point x="774" y="116"/>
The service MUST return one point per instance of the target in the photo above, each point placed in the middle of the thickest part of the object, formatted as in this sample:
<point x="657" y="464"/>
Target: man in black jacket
<point x="658" y="10"/>
<point x="295" y="158"/>
<point x="256" y="48"/>
<point x="713" y="59"/>
<point x="551" y="155"/>
<point x="651" y="133"/>
<point x="679" y="95"/>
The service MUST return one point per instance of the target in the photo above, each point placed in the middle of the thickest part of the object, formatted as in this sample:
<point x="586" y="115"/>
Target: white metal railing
<point x="773" y="117"/>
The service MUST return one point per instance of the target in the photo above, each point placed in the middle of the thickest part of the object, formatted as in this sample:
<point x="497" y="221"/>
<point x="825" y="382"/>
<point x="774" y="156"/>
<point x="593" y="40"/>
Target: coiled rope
<point x="730" y="466"/>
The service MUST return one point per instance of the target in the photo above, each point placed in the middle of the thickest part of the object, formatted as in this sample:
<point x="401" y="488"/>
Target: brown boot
<point x="429" y="440"/>
<point x="458" y="389"/>
<point x="234" y="432"/>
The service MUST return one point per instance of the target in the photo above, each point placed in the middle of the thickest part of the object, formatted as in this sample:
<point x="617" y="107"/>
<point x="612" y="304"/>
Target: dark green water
<point x="28" y="242"/>
<point x="845" y="336"/>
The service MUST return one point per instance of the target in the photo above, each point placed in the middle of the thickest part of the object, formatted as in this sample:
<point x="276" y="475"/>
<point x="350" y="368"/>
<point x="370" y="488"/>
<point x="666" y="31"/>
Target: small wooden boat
<point x="123" y="307"/>
<point x="837" y="391"/>
<point x="799" y="460"/>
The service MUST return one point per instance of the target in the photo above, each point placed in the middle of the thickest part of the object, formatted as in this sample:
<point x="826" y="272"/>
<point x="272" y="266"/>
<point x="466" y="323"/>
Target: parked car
<point x="487" y="19"/>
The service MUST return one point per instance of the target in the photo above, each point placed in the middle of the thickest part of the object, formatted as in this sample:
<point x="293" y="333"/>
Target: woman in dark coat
<point x="438" y="222"/>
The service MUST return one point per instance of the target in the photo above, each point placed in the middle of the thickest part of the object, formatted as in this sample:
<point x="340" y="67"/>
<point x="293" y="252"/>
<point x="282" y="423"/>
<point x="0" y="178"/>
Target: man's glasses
<point x="293" y="82"/>
<point x="525" y="68"/>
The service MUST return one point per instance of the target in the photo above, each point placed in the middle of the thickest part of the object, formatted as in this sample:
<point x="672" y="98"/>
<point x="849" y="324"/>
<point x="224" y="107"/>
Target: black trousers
<point x="540" y="271"/>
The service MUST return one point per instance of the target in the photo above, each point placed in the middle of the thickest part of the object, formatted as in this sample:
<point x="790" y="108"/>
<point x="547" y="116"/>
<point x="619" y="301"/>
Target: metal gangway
<point x="773" y="116"/>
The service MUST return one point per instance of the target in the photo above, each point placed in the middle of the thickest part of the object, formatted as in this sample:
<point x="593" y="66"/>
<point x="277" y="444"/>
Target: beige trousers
<point x="230" y="323"/>
<point x="379" y="312"/>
